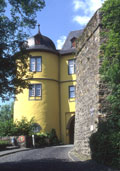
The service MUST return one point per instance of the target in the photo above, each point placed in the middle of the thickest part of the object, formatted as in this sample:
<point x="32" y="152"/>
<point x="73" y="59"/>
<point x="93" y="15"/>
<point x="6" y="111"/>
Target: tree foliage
<point x="110" y="69"/>
<point x="105" y="143"/>
<point x="17" y="128"/>
<point x="6" y="112"/>
<point x="15" y="17"/>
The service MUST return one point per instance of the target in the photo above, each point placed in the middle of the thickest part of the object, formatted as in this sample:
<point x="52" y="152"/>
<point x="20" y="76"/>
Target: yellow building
<point x="50" y="98"/>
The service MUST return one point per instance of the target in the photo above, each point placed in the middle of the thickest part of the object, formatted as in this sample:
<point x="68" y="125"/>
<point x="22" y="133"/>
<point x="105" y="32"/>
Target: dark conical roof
<point x="40" y="42"/>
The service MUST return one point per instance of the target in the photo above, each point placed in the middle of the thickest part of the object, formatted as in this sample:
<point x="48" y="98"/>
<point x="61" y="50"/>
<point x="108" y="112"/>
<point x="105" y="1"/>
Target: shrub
<point x="24" y="127"/>
<point x="53" y="137"/>
<point x="105" y="145"/>
<point x="41" y="139"/>
<point x="45" y="139"/>
<point x="7" y="128"/>
<point x="10" y="128"/>
<point x="4" y="144"/>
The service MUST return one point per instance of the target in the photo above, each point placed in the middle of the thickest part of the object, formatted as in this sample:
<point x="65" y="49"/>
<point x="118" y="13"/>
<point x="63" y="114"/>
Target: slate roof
<point x="68" y="51"/>
<point x="72" y="34"/>
<point x="44" y="43"/>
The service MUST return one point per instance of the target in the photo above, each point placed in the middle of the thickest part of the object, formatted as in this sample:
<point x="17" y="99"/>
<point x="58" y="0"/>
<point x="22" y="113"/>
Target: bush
<point x="10" y="128"/>
<point x="7" y="128"/>
<point x="53" y="137"/>
<point x="4" y="144"/>
<point x="105" y="145"/>
<point x="24" y="127"/>
<point x="41" y="139"/>
<point x="45" y="139"/>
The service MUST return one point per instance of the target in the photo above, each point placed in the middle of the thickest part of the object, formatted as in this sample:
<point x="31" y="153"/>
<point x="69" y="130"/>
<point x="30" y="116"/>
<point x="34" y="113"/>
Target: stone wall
<point x="87" y="89"/>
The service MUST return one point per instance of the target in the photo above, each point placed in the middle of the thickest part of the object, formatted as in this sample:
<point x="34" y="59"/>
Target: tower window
<point x="72" y="91"/>
<point x="72" y="66"/>
<point x="35" y="90"/>
<point x="36" y="64"/>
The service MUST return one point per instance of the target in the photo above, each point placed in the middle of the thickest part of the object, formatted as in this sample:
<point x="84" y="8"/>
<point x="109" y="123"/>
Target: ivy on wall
<point x="105" y="143"/>
<point x="110" y="51"/>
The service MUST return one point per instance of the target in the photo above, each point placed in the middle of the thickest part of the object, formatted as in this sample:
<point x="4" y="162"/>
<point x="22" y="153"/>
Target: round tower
<point x="41" y="100"/>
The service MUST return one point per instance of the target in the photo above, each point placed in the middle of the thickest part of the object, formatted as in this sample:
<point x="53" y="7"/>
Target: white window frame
<point x="71" y="66"/>
<point x="36" y="64"/>
<point x="35" y="90"/>
<point x="71" y="91"/>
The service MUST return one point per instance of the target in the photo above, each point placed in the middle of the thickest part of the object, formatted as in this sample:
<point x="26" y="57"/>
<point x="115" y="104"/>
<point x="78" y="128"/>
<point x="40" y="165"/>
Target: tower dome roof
<point x="40" y="42"/>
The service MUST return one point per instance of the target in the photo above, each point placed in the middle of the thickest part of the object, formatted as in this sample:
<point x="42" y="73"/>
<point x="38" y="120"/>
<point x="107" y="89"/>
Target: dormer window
<point x="37" y="39"/>
<point x="73" y="42"/>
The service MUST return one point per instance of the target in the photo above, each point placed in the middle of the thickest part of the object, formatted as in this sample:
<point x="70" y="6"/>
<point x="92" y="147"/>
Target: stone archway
<point x="70" y="127"/>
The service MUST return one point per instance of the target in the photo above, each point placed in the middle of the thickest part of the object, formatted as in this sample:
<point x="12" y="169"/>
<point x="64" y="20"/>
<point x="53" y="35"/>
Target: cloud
<point x="93" y="5"/>
<point x="88" y="6"/>
<point x="87" y="9"/>
<point x="77" y="5"/>
<point x="61" y="41"/>
<point x="82" y="20"/>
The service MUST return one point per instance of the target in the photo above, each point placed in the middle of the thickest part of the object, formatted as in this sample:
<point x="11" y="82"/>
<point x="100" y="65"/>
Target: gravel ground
<point x="47" y="159"/>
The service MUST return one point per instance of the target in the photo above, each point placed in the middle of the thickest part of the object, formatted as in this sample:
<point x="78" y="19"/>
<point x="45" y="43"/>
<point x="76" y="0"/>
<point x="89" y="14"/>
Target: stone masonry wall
<point x="87" y="88"/>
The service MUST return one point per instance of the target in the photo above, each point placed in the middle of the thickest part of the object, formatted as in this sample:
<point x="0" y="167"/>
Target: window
<point x="36" y="64"/>
<point x="72" y="66"/>
<point x="71" y="91"/>
<point x="35" y="90"/>
<point x="73" y="42"/>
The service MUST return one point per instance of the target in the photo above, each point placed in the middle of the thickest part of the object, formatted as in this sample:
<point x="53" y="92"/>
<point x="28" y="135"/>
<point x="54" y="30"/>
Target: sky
<point x="59" y="17"/>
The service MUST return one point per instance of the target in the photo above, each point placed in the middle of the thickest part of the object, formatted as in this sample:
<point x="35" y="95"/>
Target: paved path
<point x="46" y="159"/>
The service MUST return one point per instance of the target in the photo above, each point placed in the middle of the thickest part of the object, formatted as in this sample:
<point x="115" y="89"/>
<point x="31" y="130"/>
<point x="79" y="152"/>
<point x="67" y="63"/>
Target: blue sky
<point x="59" y="17"/>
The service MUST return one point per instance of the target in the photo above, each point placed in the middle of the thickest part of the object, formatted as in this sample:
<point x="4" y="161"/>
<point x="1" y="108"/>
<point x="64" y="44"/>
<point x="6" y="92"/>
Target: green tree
<point x="110" y="52"/>
<point x="10" y="128"/>
<point x="6" y="112"/>
<point x="15" y="17"/>
<point x="105" y="143"/>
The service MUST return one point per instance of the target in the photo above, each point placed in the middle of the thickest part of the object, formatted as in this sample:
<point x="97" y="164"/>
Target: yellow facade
<point x="48" y="106"/>
<point x="67" y="104"/>
<point x="54" y="108"/>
